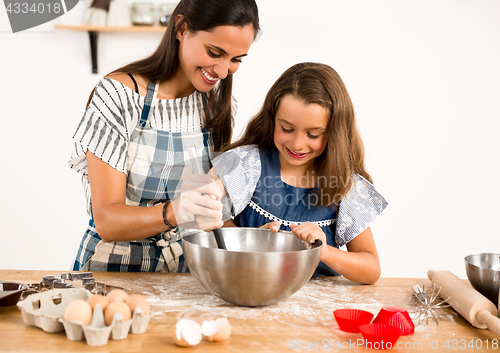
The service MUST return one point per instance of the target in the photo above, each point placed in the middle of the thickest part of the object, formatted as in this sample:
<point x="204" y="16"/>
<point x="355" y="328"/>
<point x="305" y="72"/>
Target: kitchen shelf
<point x="151" y="29"/>
<point x="94" y="31"/>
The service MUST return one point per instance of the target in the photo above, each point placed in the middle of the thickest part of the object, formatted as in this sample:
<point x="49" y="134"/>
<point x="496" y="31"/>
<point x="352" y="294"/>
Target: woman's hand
<point x="117" y="221"/>
<point x="274" y="226"/>
<point x="199" y="204"/>
<point x="309" y="232"/>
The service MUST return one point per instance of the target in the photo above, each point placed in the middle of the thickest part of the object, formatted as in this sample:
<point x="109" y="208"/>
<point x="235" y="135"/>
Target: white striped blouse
<point x="113" y="113"/>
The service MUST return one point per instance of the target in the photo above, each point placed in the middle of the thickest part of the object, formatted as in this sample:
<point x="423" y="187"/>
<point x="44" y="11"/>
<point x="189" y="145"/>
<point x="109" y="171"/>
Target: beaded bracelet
<point x="165" y="215"/>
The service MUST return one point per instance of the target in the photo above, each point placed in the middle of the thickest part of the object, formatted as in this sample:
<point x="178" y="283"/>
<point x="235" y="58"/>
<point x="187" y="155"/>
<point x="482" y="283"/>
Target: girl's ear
<point x="183" y="28"/>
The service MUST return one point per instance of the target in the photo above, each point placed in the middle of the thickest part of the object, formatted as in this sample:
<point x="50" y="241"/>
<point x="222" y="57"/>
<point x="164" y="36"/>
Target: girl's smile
<point x="295" y="154"/>
<point x="300" y="132"/>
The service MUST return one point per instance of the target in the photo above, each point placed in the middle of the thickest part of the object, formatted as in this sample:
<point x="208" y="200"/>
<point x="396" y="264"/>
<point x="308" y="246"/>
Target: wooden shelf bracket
<point x="93" y="35"/>
<point x="93" y="32"/>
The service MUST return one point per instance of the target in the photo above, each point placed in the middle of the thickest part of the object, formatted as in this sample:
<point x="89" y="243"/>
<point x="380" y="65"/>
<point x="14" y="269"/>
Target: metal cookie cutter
<point x="64" y="281"/>
<point x="70" y="280"/>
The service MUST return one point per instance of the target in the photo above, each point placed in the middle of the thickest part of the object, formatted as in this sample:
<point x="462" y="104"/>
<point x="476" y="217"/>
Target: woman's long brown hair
<point x="162" y="65"/>
<point x="316" y="83"/>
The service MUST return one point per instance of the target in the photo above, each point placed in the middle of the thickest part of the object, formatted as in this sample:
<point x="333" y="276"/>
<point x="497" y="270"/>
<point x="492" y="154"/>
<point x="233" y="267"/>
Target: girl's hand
<point x="199" y="205"/>
<point x="274" y="226"/>
<point x="309" y="232"/>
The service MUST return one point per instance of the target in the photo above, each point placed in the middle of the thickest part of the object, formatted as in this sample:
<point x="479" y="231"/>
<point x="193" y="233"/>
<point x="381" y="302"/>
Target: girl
<point x="131" y="143"/>
<point x="300" y="161"/>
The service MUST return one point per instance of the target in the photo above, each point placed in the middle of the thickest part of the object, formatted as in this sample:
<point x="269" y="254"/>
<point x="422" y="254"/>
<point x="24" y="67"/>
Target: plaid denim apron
<point x="156" y="162"/>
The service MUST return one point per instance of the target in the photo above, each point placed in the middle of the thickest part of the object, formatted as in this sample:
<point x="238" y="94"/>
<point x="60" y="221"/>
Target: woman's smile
<point x="209" y="78"/>
<point x="206" y="57"/>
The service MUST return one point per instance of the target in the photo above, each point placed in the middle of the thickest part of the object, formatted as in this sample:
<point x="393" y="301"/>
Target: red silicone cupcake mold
<point x="380" y="336"/>
<point x="350" y="320"/>
<point x="397" y="317"/>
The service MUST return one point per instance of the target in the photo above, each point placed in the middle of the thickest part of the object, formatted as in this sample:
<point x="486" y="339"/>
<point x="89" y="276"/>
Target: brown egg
<point x="98" y="299"/>
<point x="117" y="307"/>
<point x="137" y="300"/>
<point x="117" y="294"/>
<point x="216" y="330"/>
<point x="78" y="310"/>
<point x="187" y="333"/>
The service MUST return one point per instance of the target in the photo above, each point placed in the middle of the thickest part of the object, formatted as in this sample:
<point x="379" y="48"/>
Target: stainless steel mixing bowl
<point x="258" y="268"/>
<point x="482" y="272"/>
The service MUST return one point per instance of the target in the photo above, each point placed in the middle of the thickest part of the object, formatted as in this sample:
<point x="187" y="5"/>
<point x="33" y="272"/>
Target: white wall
<point x="423" y="75"/>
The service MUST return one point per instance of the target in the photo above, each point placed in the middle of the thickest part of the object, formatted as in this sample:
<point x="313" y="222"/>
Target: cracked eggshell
<point x="187" y="333"/>
<point x="216" y="330"/>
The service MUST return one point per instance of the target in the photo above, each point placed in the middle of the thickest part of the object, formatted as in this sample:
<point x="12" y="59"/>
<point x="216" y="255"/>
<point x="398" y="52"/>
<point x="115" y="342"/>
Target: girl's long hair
<point x="162" y="65"/>
<point x="316" y="83"/>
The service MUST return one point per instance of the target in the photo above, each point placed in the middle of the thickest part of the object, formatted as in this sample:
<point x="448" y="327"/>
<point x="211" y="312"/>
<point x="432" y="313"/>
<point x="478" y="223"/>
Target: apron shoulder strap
<point x="149" y="103"/>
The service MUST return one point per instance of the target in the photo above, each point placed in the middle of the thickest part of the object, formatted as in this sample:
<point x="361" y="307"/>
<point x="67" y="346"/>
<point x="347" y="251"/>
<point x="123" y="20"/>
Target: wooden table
<point x="301" y="323"/>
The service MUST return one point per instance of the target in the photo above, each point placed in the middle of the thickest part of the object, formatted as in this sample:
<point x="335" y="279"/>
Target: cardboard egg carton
<point x="46" y="310"/>
<point x="97" y="333"/>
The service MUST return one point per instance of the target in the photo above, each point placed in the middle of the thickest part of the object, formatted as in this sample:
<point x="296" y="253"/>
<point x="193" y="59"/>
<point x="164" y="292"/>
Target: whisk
<point x="426" y="305"/>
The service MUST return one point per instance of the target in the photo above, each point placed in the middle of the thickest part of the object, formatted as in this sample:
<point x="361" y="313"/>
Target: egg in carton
<point x="97" y="333"/>
<point x="44" y="309"/>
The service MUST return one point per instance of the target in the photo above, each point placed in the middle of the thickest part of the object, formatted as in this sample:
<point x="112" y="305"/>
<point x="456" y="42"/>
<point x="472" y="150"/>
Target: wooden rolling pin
<point x="472" y="305"/>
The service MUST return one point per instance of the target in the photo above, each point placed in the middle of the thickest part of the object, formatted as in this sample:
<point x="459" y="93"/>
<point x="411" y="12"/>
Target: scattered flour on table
<point x="314" y="302"/>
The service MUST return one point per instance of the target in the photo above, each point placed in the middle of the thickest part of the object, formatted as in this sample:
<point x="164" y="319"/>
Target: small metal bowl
<point x="258" y="268"/>
<point x="483" y="274"/>
<point x="10" y="292"/>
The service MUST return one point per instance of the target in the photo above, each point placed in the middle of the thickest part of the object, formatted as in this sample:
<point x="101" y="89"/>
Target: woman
<point x="131" y="144"/>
